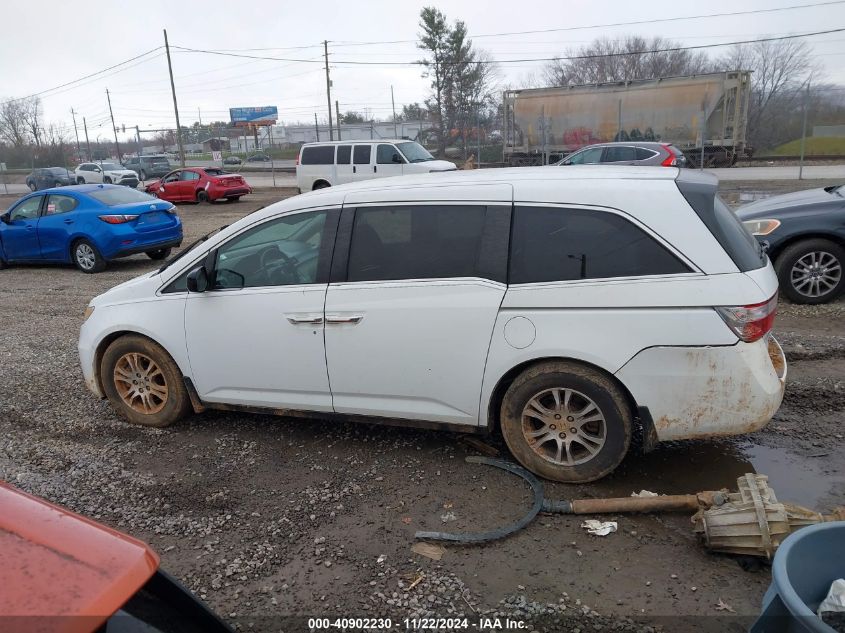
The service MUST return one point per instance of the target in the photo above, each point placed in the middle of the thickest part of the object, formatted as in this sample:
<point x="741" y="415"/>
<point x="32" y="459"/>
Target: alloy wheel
<point x="140" y="383"/>
<point x="816" y="274"/>
<point x="85" y="256"/>
<point x="563" y="426"/>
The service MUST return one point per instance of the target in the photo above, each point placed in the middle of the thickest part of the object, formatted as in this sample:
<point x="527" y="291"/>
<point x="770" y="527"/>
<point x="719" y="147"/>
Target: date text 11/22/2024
<point x="415" y="624"/>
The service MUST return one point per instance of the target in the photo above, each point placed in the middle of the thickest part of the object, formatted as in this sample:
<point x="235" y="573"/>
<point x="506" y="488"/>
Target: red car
<point x="199" y="184"/>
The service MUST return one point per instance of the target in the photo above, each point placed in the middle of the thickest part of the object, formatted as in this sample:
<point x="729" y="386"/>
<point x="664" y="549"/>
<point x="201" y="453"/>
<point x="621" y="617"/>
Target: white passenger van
<point x="563" y="308"/>
<point x="336" y="163"/>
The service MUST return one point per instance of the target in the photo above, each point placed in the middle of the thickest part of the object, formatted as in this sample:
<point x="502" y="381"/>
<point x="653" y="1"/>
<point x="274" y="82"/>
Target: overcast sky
<point x="45" y="44"/>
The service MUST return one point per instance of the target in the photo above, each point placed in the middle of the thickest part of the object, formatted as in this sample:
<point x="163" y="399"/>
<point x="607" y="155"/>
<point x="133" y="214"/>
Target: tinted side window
<point x="361" y="154"/>
<point x="586" y="156"/>
<point x="318" y="155"/>
<point x="59" y="204"/>
<point x="189" y="175"/>
<point x="424" y="242"/>
<point x="344" y="154"/>
<point x="643" y="153"/>
<point x="279" y="252"/>
<point x="384" y="154"/>
<point x="555" y="244"/>
<point x="616" y="154"/>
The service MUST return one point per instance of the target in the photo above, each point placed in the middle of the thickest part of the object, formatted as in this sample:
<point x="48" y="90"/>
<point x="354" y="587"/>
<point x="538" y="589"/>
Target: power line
<point x="536" y="59"/>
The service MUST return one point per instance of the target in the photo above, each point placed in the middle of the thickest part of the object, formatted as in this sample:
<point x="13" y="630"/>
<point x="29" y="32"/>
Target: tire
<point x="202" y="196"/>
<point x="157" y="395"/>
<point x="161" y="253"/>
<point x="106" y="180"/>
<point x="86" y="257"/>
<point x="80" y="181"/>
<point x="57" y="184"/>
<point x="31" y="186"/>
<point x="591" y="395"/>
<point x="811" y="271"/>
<point x="233" y="199"/>
<point x="322" y="184"/>
<point x="142" y="175"/>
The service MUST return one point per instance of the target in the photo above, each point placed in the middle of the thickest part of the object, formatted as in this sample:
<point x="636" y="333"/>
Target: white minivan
<point x="565" y="309"/>
<point x="322" y="165"/>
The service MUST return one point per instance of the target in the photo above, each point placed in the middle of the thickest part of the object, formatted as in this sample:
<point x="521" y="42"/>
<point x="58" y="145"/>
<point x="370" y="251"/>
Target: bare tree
<point x="13" y="128"/>
<point x="780" y="69"/>
<point x="624" y="59"/>
<point x="32" y="113"/>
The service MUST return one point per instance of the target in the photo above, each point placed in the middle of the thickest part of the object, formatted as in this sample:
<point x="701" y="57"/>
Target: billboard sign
<point x="265" y="115"/>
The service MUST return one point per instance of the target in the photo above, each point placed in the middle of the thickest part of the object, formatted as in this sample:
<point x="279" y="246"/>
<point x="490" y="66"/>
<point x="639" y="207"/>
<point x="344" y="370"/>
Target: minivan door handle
<point x="375" y="168"/>
<point x="339" y="319"/>
<point x="354" y="169"/>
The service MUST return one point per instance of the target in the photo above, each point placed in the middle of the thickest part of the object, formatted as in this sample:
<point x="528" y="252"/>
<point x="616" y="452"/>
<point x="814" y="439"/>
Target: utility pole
<point x="316" y="126"/>
<point x="337" y="111"/>
<point x="87" y="143"/>
<point x="393" y="103"/>
<point x="175" y="106"/>
<point x="804" y="132"/>
<point x="76" y="131"/>
<point x="328" y="88"/>
<point x="199" y="115"/>
<point x="113" y="126"/>
<point x="138" y="137"/>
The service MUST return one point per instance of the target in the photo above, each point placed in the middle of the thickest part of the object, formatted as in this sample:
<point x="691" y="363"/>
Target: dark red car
<point x="199" y="184"/>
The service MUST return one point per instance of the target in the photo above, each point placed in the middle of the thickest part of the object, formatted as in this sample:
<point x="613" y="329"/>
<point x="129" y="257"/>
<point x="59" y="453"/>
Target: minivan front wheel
<point x="566" y="422"/>
<point x="143" y="383"/>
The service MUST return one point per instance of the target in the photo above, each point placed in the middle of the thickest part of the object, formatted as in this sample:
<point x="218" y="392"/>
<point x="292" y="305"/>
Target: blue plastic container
<point x="805" y="565"/>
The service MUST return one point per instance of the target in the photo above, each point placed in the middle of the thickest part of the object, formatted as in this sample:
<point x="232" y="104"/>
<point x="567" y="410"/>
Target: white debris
<point x="381" y="559"/>
<point x="644" y="493"/>
<point x="835" y="601"/>
<point x="599" y="528"/>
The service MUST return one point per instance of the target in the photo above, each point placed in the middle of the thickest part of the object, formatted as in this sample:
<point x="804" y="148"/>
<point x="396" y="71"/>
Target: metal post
<point x="337" y="111"/>
<point x="199" y="115"/>
<point x="393" y="103"/>
<point x="804" y="132"/>
<point x="113" y="127"/>
<point x="317" y="126"/>
<point x="272" y="160"/>
<point x="87" y="142"/>
<point x="371" y="129"/>
<point x="175" y="105"/>
<point x="619" y="122"/>
<point x="328" y="89"/>
<point x="703" y="128"/>
<point x="76" y="131"/>
<point x="138" y="137"/>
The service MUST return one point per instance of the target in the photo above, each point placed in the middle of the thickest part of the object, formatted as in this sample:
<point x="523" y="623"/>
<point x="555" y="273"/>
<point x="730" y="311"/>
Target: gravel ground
<point x="267" y="518"/>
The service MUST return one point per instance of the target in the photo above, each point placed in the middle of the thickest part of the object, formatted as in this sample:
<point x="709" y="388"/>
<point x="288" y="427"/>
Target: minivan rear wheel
<point x="812" y="271"/>
<point x="566" y="422"/>
<point x="143" y="383"/>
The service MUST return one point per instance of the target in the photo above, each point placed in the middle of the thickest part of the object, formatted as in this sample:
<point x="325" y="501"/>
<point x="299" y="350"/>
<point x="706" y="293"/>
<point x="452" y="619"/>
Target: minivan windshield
<point x="414" y="152"/>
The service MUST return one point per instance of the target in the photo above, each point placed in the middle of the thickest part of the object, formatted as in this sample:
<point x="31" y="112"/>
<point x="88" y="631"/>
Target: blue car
<point x="88" y="225"/>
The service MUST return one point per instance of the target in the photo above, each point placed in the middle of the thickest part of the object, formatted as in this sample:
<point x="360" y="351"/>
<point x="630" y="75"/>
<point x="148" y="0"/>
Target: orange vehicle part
<point x="60" y="571"/>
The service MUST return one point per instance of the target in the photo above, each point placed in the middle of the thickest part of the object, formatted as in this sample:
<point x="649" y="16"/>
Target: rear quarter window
<point x="318" y="155"/>
<point x="738" y="243"/>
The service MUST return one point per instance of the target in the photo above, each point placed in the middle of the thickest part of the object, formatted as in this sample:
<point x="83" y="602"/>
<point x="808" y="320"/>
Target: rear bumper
<point x="215" y="193"/>
<point x="699" y="392"/>
<point x="146" y="246"/>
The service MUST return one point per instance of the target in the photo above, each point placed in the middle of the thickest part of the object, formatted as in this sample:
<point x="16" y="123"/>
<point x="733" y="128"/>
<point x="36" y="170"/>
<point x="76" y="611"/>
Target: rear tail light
<point x="671" y="160"/>
<point x="752" y="322"/>
<point x="118" y="219"/>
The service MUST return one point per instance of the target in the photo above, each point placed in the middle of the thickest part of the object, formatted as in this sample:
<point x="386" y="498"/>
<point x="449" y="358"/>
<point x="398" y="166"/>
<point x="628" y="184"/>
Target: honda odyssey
<point x="565" y="309"/>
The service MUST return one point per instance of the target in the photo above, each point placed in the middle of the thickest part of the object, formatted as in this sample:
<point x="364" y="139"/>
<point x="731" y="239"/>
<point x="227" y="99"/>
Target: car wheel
<point x="202" y="196"/>
<point x="811" y="271"/>
<point x="322" y="184"/>
<point x="142" y="175"/>
<point x="80" y="181"/>
<point x="143" y="383"/>
<point x="233" y="199"/>
<point x="86" y="257"/>
<point x="31" y="186"/>
<point x="566" y="422"/>
<point x="160" y="253"/>
<point x="57" y="184"/>
<point x="107" y="180"/>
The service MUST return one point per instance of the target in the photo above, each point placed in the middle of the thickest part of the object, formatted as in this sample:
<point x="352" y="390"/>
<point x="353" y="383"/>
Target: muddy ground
<point x="266" y="518"/>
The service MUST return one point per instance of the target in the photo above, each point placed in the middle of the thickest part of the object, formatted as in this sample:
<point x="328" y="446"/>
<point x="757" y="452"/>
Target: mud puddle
<point x="689" y="467"/>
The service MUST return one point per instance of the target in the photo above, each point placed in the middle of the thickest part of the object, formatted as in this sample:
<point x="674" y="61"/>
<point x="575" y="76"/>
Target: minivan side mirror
<point x="197" y="280"/>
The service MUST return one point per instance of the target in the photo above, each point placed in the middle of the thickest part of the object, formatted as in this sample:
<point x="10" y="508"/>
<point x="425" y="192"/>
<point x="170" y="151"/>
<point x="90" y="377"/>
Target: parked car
<point x="805" y="237"/>
<point x="258" y="158"/>
<point x="335" y="163"/>
<point x="153" y="166"/>
<point x="628" y="153"/>
<point x="106" y="173"/>
<point x="70" y="573"/>
<point x="87" y="225"/>
<point x="46" y="177"/>
<point x="232" y="160"/>
<point x="561" y="308"/>
<point x="199" y="184"/>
